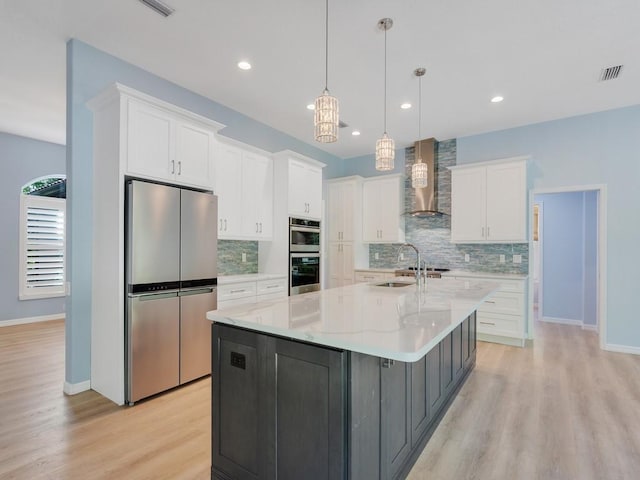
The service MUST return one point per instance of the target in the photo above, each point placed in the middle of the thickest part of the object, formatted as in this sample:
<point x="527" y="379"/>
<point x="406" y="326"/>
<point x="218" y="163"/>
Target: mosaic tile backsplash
<point x="432" y="234"/>
<point x="230" y="257"/>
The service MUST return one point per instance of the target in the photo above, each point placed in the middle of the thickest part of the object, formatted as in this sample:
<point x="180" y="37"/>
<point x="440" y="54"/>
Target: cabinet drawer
<point x="366" y="277"/>
<point x="236" y="290"/>
<point x="270" y="287"/>
<point x="512" y="286"/>
<point x="506" y="303"/>
<point x="497" y="324"/>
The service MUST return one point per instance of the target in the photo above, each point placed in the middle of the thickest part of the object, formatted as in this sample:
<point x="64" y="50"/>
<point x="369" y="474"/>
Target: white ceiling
<point x="543" y="56"/>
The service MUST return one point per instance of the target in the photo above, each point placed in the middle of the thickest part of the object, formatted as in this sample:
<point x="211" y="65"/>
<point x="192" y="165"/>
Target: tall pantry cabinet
<point x="344" y="230"/>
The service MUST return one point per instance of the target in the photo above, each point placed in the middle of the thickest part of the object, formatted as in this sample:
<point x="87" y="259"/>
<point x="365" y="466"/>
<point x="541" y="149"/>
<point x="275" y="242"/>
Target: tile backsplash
<point x="432" y="234"/>
<point x="230" y="257"/>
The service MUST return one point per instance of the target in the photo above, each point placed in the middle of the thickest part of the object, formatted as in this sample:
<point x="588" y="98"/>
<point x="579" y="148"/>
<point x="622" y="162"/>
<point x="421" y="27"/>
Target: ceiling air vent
<point x="610" y="73"/>
<point x="159" y="7"/>
<point x="341" y="124"/>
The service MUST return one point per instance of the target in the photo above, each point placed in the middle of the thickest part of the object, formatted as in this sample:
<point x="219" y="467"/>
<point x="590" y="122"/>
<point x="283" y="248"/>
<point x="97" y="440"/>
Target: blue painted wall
<point x="600" y="148"/>
<point x="89" y="71"/>
<point x="24" y="159"/>
<point x="563" y="257"/>
<point x="365" y="165"/>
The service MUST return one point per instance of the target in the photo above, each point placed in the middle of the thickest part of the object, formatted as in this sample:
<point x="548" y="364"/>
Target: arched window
<point x="42" y="237"/>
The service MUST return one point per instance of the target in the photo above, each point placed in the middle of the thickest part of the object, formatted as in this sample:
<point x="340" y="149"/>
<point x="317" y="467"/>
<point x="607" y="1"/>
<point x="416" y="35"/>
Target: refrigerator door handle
<point x="154" y="296"/>
<point x="195" y="291"/>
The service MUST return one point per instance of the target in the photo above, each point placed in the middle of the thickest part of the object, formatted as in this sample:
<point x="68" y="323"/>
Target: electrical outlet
<point x="517" y="259"/>
<point x="244" y="257"/>
<point x="376" y="256"/>
<point x="466" y="257"/>
<point x="401" y="256"/>
<point x="502" y="259"/>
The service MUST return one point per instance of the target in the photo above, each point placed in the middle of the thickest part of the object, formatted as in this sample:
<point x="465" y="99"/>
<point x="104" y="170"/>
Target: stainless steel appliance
<point x="171" y="278"/>
<point x="304" y="235"/>
<point x="304" y="256"/>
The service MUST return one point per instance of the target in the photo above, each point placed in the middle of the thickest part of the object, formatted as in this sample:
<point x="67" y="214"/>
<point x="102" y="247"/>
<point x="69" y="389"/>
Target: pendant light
<point x="385" y="146"/>
<point x="326" y="119"/>
<point x="419" y="170"/>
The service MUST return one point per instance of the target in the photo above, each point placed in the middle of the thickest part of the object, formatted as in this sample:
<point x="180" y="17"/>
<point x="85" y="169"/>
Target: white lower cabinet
<point x="503" y="317"/>
<point x="251" y="291"/>
<point x="368" y="276"/>
<point x="341" y="263"/>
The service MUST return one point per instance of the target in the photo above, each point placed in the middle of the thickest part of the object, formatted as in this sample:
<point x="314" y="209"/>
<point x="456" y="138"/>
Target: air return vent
<point x="610" y="73"/>
<point x="159" y="7"/>
<point x="341" y="124"/>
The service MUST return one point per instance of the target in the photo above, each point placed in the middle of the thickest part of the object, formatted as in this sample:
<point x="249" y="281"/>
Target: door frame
<point x="601" y="261"/>
<point x="540" y="255"/>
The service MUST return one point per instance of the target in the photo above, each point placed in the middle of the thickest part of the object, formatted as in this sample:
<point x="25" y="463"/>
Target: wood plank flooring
<point x="562" y="409"/>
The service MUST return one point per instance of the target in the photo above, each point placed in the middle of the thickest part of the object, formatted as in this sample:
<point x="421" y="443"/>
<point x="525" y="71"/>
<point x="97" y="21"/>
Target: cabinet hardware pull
<point x="260" y="227"/>
<point x="489" y="301"/>
<point x="488" y="232"/>
<point x="225" y="224"/>
<point x="173" y="167"/>
<point x="387" y="362"/>
<point x="180" y="168"/>
<point x="482" y="232"/>
<point x="243" y="290"/>
<point x="273" y="286"/>
<point x="487" y="323"/>
<point x="220" y="225"/>
<point x="256" y="227"/>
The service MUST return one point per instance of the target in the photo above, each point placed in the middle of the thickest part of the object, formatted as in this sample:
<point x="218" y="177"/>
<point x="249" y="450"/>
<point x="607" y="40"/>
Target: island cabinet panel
<point x="286" y="409"/>
<point x="395" y="404"/>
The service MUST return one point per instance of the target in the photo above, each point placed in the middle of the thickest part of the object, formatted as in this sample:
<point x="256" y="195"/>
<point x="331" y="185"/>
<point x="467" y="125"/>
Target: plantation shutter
<point x="43" y="247"/>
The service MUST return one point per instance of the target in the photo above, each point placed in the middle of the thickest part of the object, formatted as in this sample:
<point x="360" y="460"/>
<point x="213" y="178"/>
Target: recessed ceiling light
<point x="355" y="133"/>
<point x="311" y="106"/>
<point x="405" y="106"/>
<point x="497" y="99"/>
<point x="244" y="65"/>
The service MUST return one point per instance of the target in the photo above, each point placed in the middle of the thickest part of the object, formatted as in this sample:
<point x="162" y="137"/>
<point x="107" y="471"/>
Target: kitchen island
<point x="345" y="383"/>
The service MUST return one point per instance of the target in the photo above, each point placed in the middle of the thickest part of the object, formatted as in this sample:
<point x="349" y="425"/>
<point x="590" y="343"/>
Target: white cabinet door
<point x="488" y="203"/>
<point x="468" y="204"/>
<point x="194" y="147"/>
<point x="229" y="191"/>
<point x="150" y="142"/>
<point x="382" y="209"/>
<point x="335" y="216"/>
<point x="257" y="196"/>
<point x="506" y="202"/>
<point x="348" y="202"/>
<point x="335" y="265"/>
<point x="305" y="190"/>
<point x="348" y="277"/>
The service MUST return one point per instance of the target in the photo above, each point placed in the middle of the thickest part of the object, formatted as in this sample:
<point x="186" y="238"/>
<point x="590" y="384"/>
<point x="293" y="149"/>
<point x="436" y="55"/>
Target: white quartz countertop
<point x="377" y="270"/>
<point x="401" y="323"/>
<point x="249" y="277"/>
<point x="497" y="276"/>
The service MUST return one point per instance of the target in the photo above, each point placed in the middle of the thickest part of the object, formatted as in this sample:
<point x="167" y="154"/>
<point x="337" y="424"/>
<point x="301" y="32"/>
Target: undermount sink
<point x="394" y="284"/>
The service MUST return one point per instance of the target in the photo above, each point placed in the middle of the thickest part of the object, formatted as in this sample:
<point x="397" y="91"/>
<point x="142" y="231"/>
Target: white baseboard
<point x="73" y="388"/>
<point x="563" y="321"/>
<point x="593" y="328"/>
<point x="610" y="347"/>
<point x="22" y="321"/>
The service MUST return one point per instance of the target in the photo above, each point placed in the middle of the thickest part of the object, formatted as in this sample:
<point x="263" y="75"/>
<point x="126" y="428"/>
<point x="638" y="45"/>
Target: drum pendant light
<point x="419" y="170"/>
<point x="326" y="117"/>
<point x="385" y="146"/>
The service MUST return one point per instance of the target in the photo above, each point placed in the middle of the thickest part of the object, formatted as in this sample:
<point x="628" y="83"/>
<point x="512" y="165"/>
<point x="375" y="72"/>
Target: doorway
<point x="568" y="257"/>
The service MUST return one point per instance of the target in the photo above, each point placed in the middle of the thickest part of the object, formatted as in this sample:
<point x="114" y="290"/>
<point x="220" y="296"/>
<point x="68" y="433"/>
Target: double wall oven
<point x="304" y="256"/>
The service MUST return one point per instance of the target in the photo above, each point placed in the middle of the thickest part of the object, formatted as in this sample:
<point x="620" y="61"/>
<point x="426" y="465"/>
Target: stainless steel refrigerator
<point x="171" y="278"/>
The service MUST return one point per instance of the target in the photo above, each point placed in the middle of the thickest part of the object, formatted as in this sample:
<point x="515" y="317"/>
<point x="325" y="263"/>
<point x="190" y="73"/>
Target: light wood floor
<point x="562" y="409"/>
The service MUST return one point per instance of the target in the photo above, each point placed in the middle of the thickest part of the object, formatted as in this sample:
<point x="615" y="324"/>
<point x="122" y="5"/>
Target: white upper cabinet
<point x="489" y="202"/>
<point x="305" y="190"/>
<point x="244" y="185"/>
<point x="383" y="209"/>
<point x="343" y="209"/>
<point x="168" y="146"/>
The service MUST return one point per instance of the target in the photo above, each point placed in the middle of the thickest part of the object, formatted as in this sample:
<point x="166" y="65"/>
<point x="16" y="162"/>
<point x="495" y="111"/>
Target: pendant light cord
<point x="385" y="80"/>
<point x="419" y="117"/>
<point x="326" y="46"/>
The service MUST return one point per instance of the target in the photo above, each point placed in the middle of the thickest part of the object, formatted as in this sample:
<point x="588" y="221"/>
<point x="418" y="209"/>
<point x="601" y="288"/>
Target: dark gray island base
<point x="289" y="410"/>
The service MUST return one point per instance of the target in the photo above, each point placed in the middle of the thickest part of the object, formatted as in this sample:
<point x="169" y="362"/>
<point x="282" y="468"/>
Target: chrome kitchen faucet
<point x="419" y="270"/>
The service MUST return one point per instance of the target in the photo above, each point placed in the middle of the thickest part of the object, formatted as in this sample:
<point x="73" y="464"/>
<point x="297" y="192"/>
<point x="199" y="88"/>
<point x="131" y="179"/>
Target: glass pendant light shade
<point x="419" y="174"/>
<point x="326" y="118"/>
<point x="385" y="153"/>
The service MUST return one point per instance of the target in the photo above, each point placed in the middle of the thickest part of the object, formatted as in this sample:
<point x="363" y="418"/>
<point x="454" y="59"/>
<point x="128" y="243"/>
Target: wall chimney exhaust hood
<point x="426" y="199"/>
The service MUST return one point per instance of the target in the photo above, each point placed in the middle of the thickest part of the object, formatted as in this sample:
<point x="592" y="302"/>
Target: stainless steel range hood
<point x="426" y="199"/>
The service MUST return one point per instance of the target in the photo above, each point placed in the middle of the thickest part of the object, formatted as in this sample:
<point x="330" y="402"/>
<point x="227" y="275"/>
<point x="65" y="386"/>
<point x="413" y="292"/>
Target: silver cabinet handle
<point x="273" y="286"/>
<point x="238" y="291"/>
<point x="260" y="227"/>
<point x="256" y="227"/>
<point x="488" y="232"/>
<point x="180" y="168"/>
<point x="387" y="362"/>
<point x="225" y="224"/>
<point x="482" y="232"/>
<point x="487" y="323"/>
<point x="173" y="167"/>
<point x="489" y="301"/>
<point x="220" y="228"/>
